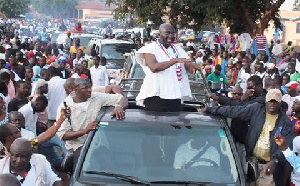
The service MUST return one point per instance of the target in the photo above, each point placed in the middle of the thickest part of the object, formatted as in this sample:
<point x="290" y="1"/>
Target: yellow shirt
<point x="74" y="50"/>
<point x="262" y="147"/>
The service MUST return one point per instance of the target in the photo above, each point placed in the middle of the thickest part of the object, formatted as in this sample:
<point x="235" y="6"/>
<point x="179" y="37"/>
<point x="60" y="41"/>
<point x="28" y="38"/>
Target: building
<point x="290" y="20"/>
<point x="94" y="10"/>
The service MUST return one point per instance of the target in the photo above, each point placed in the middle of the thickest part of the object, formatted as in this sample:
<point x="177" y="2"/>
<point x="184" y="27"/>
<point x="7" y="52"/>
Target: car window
<point x="153" y="152"/>
<point x="116" y="51"/>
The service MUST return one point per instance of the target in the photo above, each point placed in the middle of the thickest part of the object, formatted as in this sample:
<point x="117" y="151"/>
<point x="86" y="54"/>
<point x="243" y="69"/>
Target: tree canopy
<point x="239" y="15"/>
<point x="56" y="8"/>
<point x="13" y="8"/>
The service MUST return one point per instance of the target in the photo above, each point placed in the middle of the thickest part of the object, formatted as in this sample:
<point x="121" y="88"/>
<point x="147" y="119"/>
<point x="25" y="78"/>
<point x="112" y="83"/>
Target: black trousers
<point x="162" y="105"/>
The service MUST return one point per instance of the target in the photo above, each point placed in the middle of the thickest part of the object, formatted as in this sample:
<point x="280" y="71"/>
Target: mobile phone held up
<point x="278" y="131"/>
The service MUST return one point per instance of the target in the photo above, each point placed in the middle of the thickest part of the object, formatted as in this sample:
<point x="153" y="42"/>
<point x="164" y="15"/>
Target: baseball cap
<point x="292" y="84"/>
<point x="68" y="32"/>
<point x="40" y="83"/>
<point x="274" y="94"/>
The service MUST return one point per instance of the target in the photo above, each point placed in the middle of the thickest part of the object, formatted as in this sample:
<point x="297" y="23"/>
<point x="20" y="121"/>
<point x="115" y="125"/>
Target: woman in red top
<point x="235" y="73"/>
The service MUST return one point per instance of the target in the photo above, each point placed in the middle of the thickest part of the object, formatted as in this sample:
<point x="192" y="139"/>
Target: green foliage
<point x="56" y="8"/>
<point x="13" y="8"/>
<point x="239" y="15"/>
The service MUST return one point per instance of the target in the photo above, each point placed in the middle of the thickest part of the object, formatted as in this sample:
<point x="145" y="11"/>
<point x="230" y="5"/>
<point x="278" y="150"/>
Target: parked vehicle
<point x="207" y="36"/>
<point x="60" y="38"/>
<point x="113" y="50"/>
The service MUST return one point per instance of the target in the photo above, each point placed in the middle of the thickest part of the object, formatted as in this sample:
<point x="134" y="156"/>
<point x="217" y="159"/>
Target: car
<point x="199" y="36"/>
<point x="60" y="38"/>
<point x="151" y="148"/>
<point x="113" y="50"/>
<point x="207" y="36"/>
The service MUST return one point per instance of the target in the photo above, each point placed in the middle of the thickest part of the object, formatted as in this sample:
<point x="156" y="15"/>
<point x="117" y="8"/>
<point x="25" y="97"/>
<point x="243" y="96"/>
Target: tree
<point x="13" y="8"/>
<point x="239" y="15"/>
<point x="56" y="8"/>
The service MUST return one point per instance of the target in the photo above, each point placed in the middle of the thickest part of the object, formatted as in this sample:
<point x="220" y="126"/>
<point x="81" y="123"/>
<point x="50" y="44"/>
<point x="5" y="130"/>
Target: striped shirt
<point x="261" y="42"/>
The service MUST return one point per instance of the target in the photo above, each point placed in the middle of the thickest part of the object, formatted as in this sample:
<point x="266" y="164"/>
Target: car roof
<point x="153" y="117"/>
<point x="113" y="41"/>
<point x="86" y="35"/>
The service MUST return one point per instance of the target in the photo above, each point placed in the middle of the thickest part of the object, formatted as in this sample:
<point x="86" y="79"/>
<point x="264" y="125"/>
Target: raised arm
<point x="243" y="112"/>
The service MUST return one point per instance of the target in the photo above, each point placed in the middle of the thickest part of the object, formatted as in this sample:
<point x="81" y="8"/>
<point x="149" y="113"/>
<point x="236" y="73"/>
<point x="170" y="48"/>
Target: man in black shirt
<point x="20" y="100"/>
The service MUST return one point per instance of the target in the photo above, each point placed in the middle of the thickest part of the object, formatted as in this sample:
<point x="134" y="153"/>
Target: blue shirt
<point x="43" y="36"/>
<point x="294" y="160"/>
<point x="224" y="65"/>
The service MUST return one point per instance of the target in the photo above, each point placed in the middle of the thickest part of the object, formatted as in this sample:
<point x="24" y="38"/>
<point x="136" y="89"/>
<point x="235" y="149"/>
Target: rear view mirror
<point x="253" y="171"/>
<point x="67" y="163"/>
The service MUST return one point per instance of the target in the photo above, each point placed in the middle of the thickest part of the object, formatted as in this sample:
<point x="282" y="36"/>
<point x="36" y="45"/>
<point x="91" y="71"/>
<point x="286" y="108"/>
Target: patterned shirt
<point x="84" y="113"/>
<point x="262" y="147"/>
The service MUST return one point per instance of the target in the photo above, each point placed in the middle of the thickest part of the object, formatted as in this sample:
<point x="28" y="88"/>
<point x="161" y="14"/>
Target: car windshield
<point x="155" y="153"/>
<point x="206" y="34"/>
<point x="116" y="51"/>
<point x="84" y="41"/>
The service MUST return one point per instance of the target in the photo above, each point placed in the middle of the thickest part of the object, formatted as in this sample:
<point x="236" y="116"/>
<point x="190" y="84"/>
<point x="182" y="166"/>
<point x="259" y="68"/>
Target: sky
<point x="287" y="5"/>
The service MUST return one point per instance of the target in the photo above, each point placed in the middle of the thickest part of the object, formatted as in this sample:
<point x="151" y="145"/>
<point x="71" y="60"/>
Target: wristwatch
<point x="34" y="142"/>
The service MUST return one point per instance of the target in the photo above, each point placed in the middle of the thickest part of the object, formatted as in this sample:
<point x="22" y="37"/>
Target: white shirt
<point x="63" y="73"/>
<point x="30" y="179"/>
<point x="56" y="95"/>
<point x="84" y="113"/>
<point x="297" y="65"/>
<point x="185" y="153"/>
<point x="277" y="49"/>
<point x="27" y="134"/>
<point x="243" y="80"/>
<point x="99" y="76"/>
<point x="165" y="83"/>
<point x="75" y="75"/>
<point x="30" y="118"/>
<point x="245" y="40"/>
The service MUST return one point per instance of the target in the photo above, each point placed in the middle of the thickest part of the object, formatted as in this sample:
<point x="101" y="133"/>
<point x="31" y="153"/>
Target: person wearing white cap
<point x="270" y="70"/>
<point x="263" y="120"/>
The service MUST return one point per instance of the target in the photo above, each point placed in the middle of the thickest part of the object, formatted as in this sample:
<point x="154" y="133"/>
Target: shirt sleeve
<point x="109" y="99"/>
<point x="208" y="78"/>
<point x="292" y="159"/>
<point x="65" y="126"/>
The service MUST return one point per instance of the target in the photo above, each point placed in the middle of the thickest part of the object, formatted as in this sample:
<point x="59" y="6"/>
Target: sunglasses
<point x="235" y="93"/>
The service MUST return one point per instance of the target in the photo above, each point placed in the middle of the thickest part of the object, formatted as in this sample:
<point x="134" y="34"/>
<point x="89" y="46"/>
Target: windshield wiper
<point x="122" y="177"/>
<point x="181" y="182"/>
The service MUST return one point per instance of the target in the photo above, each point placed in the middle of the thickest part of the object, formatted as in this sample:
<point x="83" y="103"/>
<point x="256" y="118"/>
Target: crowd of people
<point x="51" y="95"/>
<point x="44" y="92"/>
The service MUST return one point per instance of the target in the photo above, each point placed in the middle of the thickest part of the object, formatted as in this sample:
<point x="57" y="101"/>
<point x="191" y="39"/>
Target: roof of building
<point x="95" y="5"/>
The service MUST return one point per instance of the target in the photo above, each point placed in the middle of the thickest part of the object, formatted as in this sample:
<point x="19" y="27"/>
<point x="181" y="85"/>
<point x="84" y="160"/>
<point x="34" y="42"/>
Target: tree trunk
<point x="258" y="26"/>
